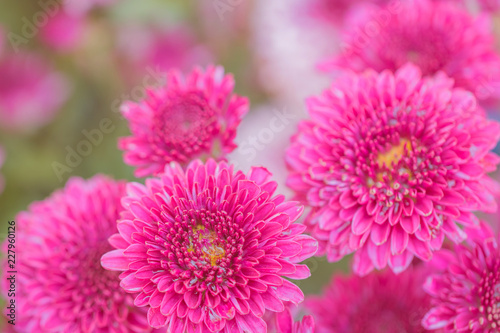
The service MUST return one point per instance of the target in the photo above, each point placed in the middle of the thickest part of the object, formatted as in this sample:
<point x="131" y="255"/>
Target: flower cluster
<point x="395" y="164"/>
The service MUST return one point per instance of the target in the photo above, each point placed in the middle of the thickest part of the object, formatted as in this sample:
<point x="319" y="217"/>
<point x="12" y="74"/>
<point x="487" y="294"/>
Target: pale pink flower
<point x="161" y="50"/>
<point x="391" y="164"/>
<point x="190" y="117"/>
<point x="61" y="286"/>
<point x="207" y="249"/>
<point x="435" y="36"/>
<point x="381" y="302"/>
<point x="465" y="295"/>
<point x="31" y="92"/>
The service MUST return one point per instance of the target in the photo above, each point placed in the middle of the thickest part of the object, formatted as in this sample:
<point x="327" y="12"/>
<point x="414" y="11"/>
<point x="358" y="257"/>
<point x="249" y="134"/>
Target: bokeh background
<point x="75" y="67"/>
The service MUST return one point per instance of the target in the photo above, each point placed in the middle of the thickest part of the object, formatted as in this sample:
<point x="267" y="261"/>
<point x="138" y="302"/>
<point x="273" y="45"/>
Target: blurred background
<point x="65" y="68"/>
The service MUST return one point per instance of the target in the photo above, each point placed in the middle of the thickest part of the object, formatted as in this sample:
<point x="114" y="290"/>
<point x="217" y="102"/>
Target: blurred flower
<point x="190" y="117"/>
<point x="381" y="302"/>
<point x="163" y="50"/>
<point x="287" y="47"/>
<point x="63" y="31"/>
<point x="61" y="287"/>
<point x="283" y="322"/>
<point x="2" y="161"/>
<point x="465" y="295"/>
<point x="390" y="163"/>
<point x="433" y="35"/>
<point x="490" y="5"/>
<point x="31" y="93"/>
<point x="207" y="249"/>
<point x="82" y="7"/>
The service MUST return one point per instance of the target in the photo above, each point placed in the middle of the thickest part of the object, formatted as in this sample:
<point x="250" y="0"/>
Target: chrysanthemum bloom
<point x="390" y="164"/>
<point x="207" y="249"/>
<point x="190" y="117"/>
<point x="61" y="286"/>
<point x="31" y="92"/>
<point x="283" y="322"/>
<point x="465" y="295"/>
<point x="436" y="36"/>
<point x="381" y="302"/>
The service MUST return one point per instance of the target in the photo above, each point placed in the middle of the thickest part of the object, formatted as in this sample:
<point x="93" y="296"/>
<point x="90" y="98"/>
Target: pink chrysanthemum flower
<point x="283" y="322"/>
<point x="390" y="164"/>
<point x="31" y="92"/>
<point x="188" y="118"/>
<point x="61" y="286"/>
<point x="436" y="36"/>
<point x="208" y="249"/>
<point x="466" y="295"/>
<point x="381" y="302"/>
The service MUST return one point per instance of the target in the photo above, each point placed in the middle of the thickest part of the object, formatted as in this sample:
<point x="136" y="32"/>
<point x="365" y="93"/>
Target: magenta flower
<point x="436" y="36"/>
<point x="61" y="286"/>
<point x="207" y="249"/>
<point x="63" y="32"/>
<point x="283" y="322"/>
<point x="2" y="161"/>
<point x="465" y="295"/>
<point x="188" y="118"/>
<point x="31" y="92"/>
<point x="381" y="302"/>
<point x="390" y="164"/>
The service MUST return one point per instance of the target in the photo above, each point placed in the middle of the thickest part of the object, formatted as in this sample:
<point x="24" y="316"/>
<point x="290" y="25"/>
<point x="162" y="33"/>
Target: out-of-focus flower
<point x="436" y="36"/>
<point x="31" y="93"/>
<point x="390" y="164"/>
<point x="2" y="160"/>
<point x="208" y="249"/>
<point x="287" y="47"/>
<point x="188" y="118"/>
<point x="161" y="49"/>
<point x="61" y="286"/>
<point x="283" y="322"/>
<point x="63" y="31"/>
<point x="465" y="295"/>
<point x="381" y="302"/>
<point x="82" y="7"/>
<point x="490" y="5"/>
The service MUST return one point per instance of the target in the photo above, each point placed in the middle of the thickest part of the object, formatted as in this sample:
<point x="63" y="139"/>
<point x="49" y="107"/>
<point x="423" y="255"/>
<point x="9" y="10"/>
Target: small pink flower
<point x="381" y="302"/>
<point x="283" y="322"/>
<point x="31" y="93"/>
<point x="465" y="295"/>
<point x="435" y="36"/>
<point x="391" y="164"/>
<point x="61" y="287"/>
<point x="63" y="31"/>
<point x="188" y="118"/>
<point x="208" y="249"/>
